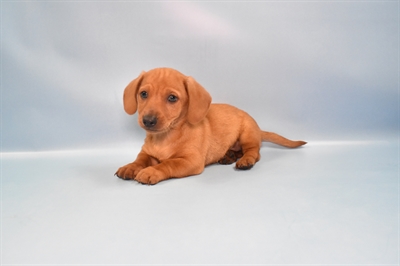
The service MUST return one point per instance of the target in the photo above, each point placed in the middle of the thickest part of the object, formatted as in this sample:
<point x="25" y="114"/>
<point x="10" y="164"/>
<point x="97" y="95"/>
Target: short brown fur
<point x="185" y="132"/>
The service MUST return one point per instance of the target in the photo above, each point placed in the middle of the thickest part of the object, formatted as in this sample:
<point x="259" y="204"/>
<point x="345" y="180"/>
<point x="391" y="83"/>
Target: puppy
<point x="185" y="132"/>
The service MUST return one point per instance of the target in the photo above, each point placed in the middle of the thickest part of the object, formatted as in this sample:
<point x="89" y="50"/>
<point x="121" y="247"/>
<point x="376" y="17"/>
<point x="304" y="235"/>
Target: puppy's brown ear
<point x="130" y="103"/>
<point x="199" y="101"/>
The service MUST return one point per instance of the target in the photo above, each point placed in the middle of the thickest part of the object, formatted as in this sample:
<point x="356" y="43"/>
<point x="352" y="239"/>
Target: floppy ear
<point x="199" y="101"/>
<point x="130" y="103"/>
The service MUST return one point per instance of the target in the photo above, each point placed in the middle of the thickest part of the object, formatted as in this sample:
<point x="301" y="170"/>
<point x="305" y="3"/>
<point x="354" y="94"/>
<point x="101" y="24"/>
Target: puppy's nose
<point x="149" y="121"/>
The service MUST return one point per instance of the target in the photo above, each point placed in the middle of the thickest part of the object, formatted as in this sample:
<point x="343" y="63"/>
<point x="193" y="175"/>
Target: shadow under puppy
<point x="185" y="132"/>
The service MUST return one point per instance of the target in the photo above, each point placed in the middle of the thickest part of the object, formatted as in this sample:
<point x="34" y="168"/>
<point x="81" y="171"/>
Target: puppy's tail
<point x="277" y="139"/>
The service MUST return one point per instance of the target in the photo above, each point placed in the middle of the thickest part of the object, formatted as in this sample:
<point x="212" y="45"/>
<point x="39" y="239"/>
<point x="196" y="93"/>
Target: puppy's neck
<point x="163" y="136"/>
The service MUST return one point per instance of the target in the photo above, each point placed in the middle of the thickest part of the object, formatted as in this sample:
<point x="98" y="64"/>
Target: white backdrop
<point x="320" y="70"/>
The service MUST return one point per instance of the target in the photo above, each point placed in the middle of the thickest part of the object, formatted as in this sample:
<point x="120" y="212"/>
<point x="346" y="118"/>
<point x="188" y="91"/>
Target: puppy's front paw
<point x="128" y="171"/>
<point x="150" y="176"/>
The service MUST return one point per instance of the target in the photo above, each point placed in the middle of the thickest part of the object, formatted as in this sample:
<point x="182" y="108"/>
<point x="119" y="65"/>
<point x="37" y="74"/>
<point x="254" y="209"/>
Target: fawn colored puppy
<point x="185" y="132"/>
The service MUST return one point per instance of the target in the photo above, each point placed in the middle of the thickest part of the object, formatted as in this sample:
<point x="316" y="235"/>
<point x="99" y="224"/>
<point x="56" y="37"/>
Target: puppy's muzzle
<point x="149" y="121"/>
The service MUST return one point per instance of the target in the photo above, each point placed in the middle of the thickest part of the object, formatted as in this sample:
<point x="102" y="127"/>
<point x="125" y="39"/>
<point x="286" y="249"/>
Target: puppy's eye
<point x="172" y="98"/>
<point x="144" y="94"/>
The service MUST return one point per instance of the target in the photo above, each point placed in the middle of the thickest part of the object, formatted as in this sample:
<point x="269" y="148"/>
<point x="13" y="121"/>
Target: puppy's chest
<point x="160" y="151"/>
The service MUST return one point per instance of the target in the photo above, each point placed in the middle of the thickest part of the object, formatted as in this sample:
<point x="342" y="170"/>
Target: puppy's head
<point x="163" y="98"/>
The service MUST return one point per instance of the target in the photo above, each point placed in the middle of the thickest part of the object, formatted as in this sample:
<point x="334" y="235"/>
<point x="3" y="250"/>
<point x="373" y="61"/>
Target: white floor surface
<point x="325" y="203"/>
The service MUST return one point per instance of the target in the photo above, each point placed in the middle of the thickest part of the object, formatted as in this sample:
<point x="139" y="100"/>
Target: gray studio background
<point x="320" y="70"/>
<point x="326" y="72"/>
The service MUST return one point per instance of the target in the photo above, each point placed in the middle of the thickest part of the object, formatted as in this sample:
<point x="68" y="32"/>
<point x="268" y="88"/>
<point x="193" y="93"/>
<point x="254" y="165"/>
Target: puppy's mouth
<point x="154" y="126"/>
<point x="156" y="130"/>
<point x="153" y="130"/>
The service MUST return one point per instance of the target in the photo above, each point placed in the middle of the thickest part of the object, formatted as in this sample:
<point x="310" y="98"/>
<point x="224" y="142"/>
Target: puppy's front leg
<point x="130" y="170"/>
<point x="177" y="167"/>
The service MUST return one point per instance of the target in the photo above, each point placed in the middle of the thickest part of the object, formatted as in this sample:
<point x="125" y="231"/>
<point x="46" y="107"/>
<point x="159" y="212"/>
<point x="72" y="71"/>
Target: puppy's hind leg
<point x="250" y="141"/>
<point x="228" y="158"/>
<point x="231" y="156"/>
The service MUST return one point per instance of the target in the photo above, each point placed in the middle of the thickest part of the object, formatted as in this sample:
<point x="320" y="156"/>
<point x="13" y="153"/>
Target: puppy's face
<point x="165" y="98"/>
<point x="161" y="100"/>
